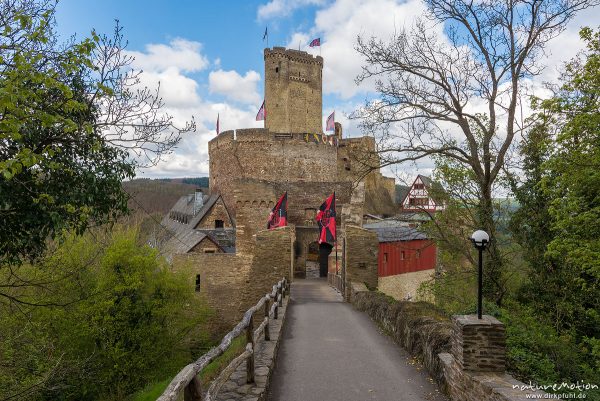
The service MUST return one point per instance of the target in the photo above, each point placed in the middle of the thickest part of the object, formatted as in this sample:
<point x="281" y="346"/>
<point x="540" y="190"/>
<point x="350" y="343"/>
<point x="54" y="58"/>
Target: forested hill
<point x="159" y="195"/>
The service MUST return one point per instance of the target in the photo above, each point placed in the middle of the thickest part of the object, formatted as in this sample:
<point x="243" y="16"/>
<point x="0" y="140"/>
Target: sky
<point x="208" y="57"/>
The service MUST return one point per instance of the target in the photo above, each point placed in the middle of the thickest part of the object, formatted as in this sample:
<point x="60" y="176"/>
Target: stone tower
<point x="293" y="94"/>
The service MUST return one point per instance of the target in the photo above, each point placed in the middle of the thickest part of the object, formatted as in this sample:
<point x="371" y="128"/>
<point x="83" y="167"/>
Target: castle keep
<point x="293" y="91"/>
<point x="251" y="168"/>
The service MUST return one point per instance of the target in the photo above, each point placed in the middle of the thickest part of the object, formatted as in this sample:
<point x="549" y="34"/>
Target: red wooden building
<point x="404" y="250"/>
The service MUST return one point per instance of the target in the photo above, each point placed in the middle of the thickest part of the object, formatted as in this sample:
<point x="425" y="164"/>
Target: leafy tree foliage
<point x="126" y="319"/>
<point x="72" y="122"/>
<point x="431" y="90"/>
<point x="558" y="223"/>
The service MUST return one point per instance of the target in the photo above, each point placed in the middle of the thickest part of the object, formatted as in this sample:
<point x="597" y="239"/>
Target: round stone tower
<point x="293" y="91"/>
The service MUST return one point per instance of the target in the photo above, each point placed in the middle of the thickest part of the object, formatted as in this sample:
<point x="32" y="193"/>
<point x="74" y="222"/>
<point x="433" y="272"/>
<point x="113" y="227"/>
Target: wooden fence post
<point x="193" y="391"/>
<point x="267" y="334"/>
<point x="280" y="297"/>
<point x="250" y="360"/>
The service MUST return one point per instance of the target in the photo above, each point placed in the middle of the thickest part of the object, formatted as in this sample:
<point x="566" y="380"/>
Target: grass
<point x="208" y="374"/>
<point x="215" y="367"/>
<point x="152" y="391"/>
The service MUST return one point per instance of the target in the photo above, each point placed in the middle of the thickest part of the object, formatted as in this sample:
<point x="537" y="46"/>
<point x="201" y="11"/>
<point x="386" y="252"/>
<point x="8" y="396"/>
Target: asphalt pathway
<point x="331" y="352"/>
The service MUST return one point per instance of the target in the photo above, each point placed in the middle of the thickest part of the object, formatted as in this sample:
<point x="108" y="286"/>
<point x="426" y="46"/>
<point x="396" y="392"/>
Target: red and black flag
<point x="326" y="221"/>
<point x="278" y="215"/>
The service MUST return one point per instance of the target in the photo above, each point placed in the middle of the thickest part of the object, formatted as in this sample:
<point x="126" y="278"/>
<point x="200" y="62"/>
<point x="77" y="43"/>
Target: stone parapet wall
<point x="429" y="335"/>
<point x="479" y="345"/>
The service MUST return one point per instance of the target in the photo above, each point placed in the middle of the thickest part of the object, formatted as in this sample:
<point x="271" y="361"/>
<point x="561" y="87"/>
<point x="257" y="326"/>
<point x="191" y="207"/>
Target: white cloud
<point x="339" y="24"/>
<point x="176" y="89"/>
<point x="180" y="54"/>
<point x="170" y="64"/>
<point x="283" y="8"/>
<point x="236" y="87"/>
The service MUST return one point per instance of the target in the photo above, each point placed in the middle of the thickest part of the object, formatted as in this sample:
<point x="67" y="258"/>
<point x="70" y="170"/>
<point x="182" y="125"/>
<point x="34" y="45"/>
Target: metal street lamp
<point x="480" y="239"/>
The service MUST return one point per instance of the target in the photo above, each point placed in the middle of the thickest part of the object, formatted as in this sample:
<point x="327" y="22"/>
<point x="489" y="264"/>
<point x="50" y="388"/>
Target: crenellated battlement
<point x="294" y="55"/>
<point x="263" y="136"/>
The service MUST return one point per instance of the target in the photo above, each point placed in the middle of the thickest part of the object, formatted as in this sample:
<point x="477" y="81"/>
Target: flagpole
<point x="336" y="234"/>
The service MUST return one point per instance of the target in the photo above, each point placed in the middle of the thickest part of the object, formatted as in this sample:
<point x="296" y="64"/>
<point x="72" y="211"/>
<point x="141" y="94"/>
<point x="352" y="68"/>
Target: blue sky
<point x="208" y="56"/>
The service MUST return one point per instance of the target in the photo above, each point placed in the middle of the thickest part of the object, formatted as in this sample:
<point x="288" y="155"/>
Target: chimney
<point x="198" y="200"/>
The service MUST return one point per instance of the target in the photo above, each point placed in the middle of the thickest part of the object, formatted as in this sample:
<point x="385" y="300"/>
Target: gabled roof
<point x="428" y="182"/>
<point x="183" y="236"/>
<point x="401" y="192"/>
<point x="393" y="234"/>
<point x="182" y="239"/>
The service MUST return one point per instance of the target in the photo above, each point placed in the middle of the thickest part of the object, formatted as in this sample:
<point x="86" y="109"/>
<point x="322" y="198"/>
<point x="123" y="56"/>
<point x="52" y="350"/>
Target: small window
<point x="218" y="223"/>
<point x="277" y="70"/>
<point x="197" y="283"/>
<point x="418" y="253"/>
<point x="385" y="257"/>
<point x="402" y="255"/>
<point x="208" y="250"/>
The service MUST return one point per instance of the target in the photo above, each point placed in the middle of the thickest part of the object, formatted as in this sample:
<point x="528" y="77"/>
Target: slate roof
<point x="183" y="237"/>
<point x="393" y="234"/>
<point x="401" y="192"/>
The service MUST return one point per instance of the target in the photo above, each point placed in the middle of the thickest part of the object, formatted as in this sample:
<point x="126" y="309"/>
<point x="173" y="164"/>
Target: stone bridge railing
<point x="187" y="380"/>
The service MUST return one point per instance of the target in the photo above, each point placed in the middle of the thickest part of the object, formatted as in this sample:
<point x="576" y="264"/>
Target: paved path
<point x="331" y="352"/>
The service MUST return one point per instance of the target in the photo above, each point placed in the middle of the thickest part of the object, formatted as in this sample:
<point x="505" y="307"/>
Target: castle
<point x="222" y="235"/>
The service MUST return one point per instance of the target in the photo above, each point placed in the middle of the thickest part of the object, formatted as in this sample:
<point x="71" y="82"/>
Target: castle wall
<point x="362" y="249"/>
<point x="221" y="274"/>
<point x="233" y="283"/>
<point x="260" y="155"/>
<point x="254" y="200"/>
<point x="293" y="91"/>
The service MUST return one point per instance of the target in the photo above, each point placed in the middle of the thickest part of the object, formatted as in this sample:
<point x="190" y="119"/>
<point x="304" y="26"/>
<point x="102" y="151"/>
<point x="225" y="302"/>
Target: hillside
<point x="159" y="195"/>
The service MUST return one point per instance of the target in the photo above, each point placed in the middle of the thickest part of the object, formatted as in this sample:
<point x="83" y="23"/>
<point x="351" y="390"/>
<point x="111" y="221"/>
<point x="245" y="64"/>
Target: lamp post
<point x="480" y="239"/>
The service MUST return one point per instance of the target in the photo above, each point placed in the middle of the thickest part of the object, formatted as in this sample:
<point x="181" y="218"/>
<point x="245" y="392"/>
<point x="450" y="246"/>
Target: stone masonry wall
<point x="272" y="260"/>
<point x="233" y="283"/>
<point x="218" y="212"/>
<point x="361" y="257"/>
<point x="426" y="333"/>
<point x="293" y="91"/>
<point x="254" y="200"/>
<point x="257" y="154"/>
<point x="206" y="246"/>
<point x="220" y="273"/>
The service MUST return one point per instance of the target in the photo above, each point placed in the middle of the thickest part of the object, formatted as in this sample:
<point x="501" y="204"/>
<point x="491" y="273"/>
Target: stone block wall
<point x="220" y="273"/>
<point x="232" y="283"/>
<point x="440" y="342"/>
<point x="218" y="212"/>
<point x="361" y="257"/>
<point x="478" y="345"/>
<point x="273" y="260"/>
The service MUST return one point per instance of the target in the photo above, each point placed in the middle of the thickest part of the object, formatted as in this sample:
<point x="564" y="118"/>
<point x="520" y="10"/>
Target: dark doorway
<point x="324" y="251"/>
<point x="311" y="268"/>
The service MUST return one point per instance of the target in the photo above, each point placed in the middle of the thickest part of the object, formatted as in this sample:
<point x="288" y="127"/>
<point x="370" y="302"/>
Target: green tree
<point x="431" y="90"/>
<point x="72" y="125"/>
<point x="573" y="184"/>
<point x="558" y="223"/>
<point x="126" y="320"/>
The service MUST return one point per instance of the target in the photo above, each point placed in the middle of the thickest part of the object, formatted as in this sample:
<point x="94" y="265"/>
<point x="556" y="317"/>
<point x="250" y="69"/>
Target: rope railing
<point x="188" y="381"/>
